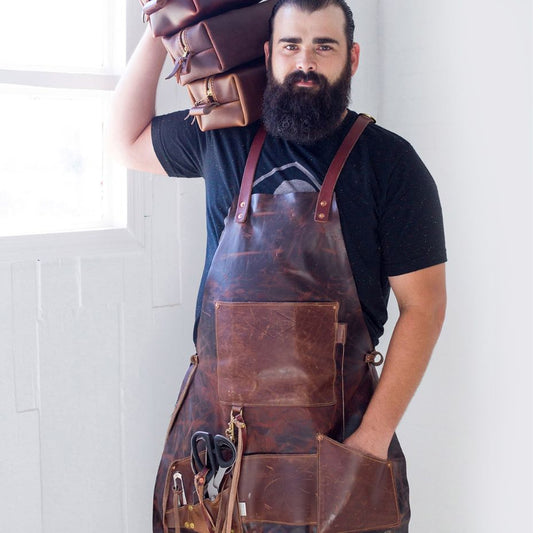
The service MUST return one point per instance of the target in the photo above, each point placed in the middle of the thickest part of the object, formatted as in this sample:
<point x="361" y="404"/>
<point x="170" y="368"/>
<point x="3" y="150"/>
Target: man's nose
<point x="306" y="61"/>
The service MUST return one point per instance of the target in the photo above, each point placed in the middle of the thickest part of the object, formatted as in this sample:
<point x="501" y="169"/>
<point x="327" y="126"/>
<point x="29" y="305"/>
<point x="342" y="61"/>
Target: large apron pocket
<point x="276" y="353"/>
<point x="356" y="492"/>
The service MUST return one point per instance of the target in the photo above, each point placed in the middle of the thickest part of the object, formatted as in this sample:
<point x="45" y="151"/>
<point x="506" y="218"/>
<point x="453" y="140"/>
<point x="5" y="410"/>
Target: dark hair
<point x="315" y="5"/>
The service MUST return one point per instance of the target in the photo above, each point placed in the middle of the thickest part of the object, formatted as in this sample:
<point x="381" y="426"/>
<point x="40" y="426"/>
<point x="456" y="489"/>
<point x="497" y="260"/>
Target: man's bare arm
<point x="421" y="297"/>
<point x="133" y="107"/>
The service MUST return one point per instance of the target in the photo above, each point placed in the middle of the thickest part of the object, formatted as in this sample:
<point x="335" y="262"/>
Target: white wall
<point x="93" y="345"/>
<point x="456" y="81"/>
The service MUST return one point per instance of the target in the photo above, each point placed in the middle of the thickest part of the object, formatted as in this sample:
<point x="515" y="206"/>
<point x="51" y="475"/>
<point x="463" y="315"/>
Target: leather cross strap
<point x="325" y="197"/>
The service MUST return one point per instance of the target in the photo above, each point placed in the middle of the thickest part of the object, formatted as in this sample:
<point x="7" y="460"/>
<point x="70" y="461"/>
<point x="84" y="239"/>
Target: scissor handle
<point x="210" y="459"/>
<point x="225" y="451"/>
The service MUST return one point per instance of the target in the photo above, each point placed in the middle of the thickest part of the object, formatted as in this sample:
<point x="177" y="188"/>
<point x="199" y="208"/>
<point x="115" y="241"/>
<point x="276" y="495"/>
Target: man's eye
<point x="324" y="47"/>
<point x="291" y="47"/>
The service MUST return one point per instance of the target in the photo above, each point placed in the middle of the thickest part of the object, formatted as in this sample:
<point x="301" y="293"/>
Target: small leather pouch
<point x="356" y="492"/>
<point x="276" y="353"/>
<point x="183" y="512"/>
<point x="230" y="99"/>
<point x="220" y="43"/>
<point x="168" y="16"/>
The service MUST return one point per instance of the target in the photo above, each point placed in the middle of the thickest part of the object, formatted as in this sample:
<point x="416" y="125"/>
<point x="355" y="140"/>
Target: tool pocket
<point x="278" y="488"/>
<point x="356" y="492"/>
<point x="182" y="510"/>
<point x="276" y="353"/>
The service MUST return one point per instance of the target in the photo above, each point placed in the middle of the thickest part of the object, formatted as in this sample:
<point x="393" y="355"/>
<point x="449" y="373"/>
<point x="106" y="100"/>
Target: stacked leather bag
<point x="217" y="50"/>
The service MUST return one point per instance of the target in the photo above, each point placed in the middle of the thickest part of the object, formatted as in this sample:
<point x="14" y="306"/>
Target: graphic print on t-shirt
<point x="292" y="177"/>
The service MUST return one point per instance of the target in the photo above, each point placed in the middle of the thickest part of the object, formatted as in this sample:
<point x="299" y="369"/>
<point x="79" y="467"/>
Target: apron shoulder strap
<point x="243" y="203"/>
<point x="325" y="197"/>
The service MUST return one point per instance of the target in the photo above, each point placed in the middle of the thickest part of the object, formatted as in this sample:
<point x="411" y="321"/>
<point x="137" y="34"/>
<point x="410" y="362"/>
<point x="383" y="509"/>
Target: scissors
<point x="220" y="454"/>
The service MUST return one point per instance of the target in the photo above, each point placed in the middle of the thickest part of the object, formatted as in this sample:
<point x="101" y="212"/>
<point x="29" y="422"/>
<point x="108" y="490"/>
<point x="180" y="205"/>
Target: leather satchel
<point x="220" y="43"/>
<point x="230" y="99"/>
<point x="166" y="17"/>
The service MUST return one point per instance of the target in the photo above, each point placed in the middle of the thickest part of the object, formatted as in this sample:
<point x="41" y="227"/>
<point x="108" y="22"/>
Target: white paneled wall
<point x="92" y="353"/>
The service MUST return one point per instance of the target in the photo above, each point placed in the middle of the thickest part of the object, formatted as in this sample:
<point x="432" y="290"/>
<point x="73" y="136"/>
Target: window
<point x="57" y="71"/>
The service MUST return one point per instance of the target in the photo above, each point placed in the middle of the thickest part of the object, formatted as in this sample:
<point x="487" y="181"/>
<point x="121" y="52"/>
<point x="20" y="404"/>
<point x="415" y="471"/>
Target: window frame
<point x="92" y="241"/>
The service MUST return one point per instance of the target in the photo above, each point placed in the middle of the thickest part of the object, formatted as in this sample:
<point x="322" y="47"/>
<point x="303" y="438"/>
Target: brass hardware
<point x="369" y="116"/>
<point x="374" y="358"/>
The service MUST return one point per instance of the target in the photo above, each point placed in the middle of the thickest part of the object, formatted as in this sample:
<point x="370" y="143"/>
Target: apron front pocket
<point x="356" y="492"/>
<point x="276" y="353"/>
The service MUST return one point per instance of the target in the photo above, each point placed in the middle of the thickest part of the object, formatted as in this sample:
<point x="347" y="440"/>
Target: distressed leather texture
<point x="276" y="353"/>
<point x="355" y="491"/>
<point x="236" y="100"/>
<point x="166" y="17"/>
<point x="221" y="43"/>
<point x="281" y="254"/>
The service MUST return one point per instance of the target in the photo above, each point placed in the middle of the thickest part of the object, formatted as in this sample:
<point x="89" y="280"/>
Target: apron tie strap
<point x="325" y="197"/>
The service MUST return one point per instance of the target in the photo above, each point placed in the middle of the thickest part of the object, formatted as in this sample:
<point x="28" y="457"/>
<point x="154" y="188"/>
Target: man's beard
<point x="301" y="114"/>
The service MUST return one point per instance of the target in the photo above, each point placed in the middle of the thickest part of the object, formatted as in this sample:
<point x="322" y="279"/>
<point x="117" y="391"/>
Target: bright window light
<point x="56" y="80"/>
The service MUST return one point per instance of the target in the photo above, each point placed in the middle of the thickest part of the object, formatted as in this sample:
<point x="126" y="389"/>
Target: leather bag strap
<point x="243" y="203"/>
<point x="325" y="197"/>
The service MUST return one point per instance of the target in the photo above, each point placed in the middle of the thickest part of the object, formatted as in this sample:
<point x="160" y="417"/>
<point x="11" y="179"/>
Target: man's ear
<point x="266" y="47"/>
<point x="354" y="57"/>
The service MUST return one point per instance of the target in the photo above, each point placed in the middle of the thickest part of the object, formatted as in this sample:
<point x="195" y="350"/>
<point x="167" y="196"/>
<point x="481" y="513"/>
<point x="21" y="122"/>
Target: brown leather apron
<point x="283" y="349"/>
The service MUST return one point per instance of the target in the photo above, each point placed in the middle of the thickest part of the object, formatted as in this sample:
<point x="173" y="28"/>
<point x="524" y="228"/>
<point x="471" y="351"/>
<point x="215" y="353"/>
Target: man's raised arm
<point x="133" y="107"/>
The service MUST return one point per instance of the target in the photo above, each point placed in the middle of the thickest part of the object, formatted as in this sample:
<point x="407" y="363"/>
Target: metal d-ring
<point x="374" y="358"/>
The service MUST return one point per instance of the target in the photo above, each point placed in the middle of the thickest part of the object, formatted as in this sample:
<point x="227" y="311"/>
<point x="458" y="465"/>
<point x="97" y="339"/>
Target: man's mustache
<point x="300" y="75"/>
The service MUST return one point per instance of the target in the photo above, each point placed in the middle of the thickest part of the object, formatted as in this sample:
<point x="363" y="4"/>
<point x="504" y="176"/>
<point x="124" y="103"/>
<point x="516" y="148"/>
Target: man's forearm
<point x="409" y="352"/>
<point x="421" y="298"/>
<point x="133" y="105"/>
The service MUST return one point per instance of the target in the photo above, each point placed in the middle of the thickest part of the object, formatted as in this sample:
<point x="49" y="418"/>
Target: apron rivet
<point x="323" y="203"/>
<point x="321" y="215"/>
<point x="242" y="204"/>
<point x="239" y="216"/>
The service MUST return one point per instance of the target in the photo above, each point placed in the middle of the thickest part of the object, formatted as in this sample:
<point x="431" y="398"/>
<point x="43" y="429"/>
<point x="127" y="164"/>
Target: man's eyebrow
<point x="325" y="40"/>
<point x="316" y="40"/>
<point x="293" y="40"/>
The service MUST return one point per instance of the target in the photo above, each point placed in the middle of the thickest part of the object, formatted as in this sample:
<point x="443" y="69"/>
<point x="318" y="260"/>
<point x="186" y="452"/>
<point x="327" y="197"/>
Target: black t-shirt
<point x="388" y="202"/>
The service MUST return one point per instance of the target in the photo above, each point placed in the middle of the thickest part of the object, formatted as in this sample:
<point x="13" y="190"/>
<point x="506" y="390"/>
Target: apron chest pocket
<point x="276" y="353"/>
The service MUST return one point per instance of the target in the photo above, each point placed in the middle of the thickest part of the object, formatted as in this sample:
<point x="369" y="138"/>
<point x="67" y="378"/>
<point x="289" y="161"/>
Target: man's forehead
<point x="292" y="21"/>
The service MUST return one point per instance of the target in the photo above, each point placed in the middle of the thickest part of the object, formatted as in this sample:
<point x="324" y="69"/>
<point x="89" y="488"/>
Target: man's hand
<point x="370" y="444"/>
<point x="421" y="297"/>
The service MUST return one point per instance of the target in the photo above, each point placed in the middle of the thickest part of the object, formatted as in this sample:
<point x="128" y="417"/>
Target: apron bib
<point x="284" y="357"/>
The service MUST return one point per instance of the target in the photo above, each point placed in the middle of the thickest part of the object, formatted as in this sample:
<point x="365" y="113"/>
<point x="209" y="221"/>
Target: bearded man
<point x="294" y="294"/>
